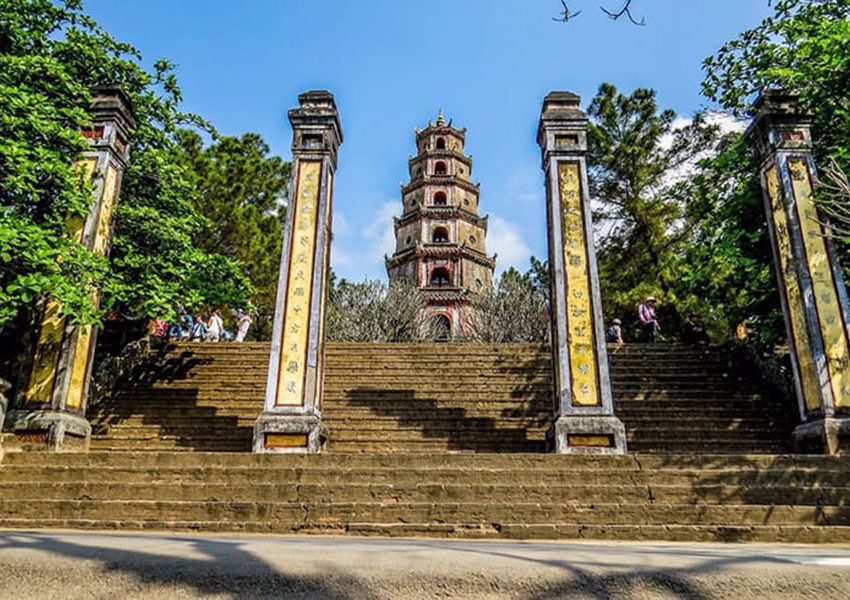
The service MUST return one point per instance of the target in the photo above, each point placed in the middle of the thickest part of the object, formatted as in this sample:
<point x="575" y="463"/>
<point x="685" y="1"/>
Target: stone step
<point x="424" y="429"/>
<point x="339" y="492"/>
<point x="728" y="478"/>
<point x="709" y="446"/>
<point x="480" y="513"/>
<point x="219" y="376"/>
<point x="447" y="421"/>
<point x="359" y="349"/>
<point x="726" y="429"/>
<point x="502" y="530"/>
<point x="226" y="396"/>
<point x="548" y="462"/>
<point x="700" y="423"/>
<point x="695" y="432"/>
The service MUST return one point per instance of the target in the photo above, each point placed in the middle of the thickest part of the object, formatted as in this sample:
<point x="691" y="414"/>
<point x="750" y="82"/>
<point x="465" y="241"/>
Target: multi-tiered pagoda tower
<point x="440" y="236"/>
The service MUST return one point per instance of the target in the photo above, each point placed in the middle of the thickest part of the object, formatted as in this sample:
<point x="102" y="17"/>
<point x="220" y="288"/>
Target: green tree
<point x="51" y="53"/>
<point x="634" y="156"/>
<point x="802" y="48"/>
<point x="724" y="266"/>
<point x="240" y="193"/>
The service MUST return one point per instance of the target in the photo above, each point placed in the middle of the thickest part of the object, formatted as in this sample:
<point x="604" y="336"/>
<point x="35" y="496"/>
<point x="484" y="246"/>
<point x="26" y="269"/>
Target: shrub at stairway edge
<point x="112" y="370"/>
<point x="771" y="372"/>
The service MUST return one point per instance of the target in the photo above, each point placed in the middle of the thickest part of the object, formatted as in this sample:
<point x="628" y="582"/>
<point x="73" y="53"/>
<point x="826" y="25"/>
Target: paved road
<point x="39" y="564"/>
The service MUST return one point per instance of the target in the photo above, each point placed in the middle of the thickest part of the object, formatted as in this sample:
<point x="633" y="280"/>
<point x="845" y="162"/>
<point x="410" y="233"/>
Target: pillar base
<point x="277" y="433"/>
<point x="588" y="435"/>
<point x="48" y="430"/>
<point x="830" y="435"/>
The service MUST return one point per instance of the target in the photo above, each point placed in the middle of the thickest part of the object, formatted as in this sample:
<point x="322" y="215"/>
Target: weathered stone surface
<point x="546" y="496"/>
<point x="419" y="398"/>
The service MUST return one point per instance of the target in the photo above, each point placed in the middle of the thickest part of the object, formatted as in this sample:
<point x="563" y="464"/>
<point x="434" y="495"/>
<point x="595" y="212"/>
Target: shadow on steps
<point x="451" y="425"/>
<point x="168" y="420"/>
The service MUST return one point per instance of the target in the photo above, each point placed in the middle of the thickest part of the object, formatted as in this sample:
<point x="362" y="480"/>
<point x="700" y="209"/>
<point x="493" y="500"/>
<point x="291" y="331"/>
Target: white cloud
<point x="340" y="224"/>
<point x="380" y="234"/>
<point x="505" y="239"/>
<point x="525" y="186"/>
<point x="360" y="242"/>
<point x="727" y="124"/>
<point x="340" y="259"/>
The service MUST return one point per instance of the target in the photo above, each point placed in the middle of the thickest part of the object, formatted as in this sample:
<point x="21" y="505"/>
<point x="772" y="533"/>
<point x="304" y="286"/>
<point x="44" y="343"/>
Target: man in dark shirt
<point x="694" y="332"/>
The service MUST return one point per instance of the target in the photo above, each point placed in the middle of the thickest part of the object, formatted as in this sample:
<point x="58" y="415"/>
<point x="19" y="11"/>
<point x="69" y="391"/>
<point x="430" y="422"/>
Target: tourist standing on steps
<point x="183" y="318"/>
<point x="648" y="321"/>
<point x="158" y="328"/>
<point x="243" y="322"/>
<point x="215" y="326"/>
<point x="199" y="329"/>
<point x="614" y="335"/>
<point x="694" y="332"/>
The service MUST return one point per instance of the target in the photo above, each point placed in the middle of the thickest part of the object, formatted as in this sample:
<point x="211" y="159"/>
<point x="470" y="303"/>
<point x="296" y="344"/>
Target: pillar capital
<point x="112" y="121"/>
<point x="563" y="126"/>
<point x="779" y="125"/>
<point x="316" y="128"/>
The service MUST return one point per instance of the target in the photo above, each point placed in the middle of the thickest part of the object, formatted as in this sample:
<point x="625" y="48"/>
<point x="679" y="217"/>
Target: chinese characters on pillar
<point x="293" y="352"/>
<point x="823" y="283"/>
<point x="793" y="295"/>
<point x="581" y="345"/>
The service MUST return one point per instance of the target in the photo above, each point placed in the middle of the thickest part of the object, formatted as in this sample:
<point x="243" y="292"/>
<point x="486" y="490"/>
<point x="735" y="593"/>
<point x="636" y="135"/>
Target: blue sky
<point x="392" y="63"/>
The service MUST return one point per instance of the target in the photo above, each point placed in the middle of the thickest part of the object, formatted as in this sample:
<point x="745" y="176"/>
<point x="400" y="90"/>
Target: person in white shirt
<point x="243" y="322"/>
<point x="215" y="326"/>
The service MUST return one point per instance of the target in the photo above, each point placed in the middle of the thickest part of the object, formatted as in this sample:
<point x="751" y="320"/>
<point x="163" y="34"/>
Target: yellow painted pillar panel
<point x="580" y="330"/>
<point x="293" y="354"/>
<point x="814" y="297"/>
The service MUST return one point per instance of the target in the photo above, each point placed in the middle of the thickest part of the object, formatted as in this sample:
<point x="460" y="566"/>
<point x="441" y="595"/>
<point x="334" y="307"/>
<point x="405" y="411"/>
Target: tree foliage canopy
<point x="51" y="53"/>
<point x="802" y="48"/>
<point x="240" y="192"/>
<point x="636" y="156"/>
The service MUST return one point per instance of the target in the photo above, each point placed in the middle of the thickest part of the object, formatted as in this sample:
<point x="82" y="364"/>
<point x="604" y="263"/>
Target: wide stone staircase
<point x="441" y="397"/>
<point x="544" y="496"/>
<point x="443" y="440"/>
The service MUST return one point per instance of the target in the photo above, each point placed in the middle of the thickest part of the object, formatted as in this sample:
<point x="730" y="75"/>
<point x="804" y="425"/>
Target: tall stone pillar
<point x="814" y="298"/>
<point x="292" y="418"/>
<point x="51" y="405"/>
<point x="584" y="410"/>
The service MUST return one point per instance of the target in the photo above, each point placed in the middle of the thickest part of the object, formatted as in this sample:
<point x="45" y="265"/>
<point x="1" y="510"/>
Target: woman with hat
<point x="648" y="321"/>
<point x="614" y="334"/>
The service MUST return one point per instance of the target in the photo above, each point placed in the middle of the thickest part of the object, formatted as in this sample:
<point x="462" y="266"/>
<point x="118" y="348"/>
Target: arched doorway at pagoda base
<point x="442" y="328"/>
